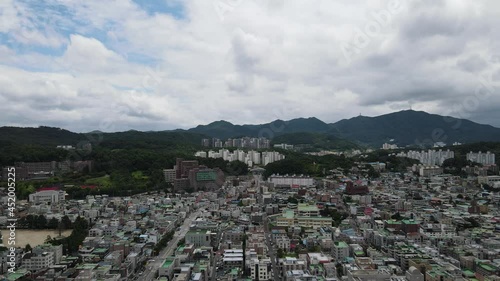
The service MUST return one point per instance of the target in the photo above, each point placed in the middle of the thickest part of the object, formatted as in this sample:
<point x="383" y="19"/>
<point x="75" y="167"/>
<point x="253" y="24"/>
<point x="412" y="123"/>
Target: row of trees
<point x="163" y="242"/>
<point x="41" y="222"/>
<point x="128" y="171"/>
<point x="72" y="243"/>
<point x="233" y="168"/>
<point x="296" y="163"/>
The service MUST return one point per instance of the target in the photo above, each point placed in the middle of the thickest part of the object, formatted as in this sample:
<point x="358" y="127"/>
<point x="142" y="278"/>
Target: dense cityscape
<point x="362" y="222"/>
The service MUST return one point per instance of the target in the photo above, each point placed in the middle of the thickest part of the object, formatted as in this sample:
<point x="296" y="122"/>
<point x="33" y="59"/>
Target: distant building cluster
<point x="250" y="158"/>
<point x="430" y="157"/>
<point x="487" y="158"/>
<point x="188" y="174"/>
<point x="388" y="146"/>
<point x="66" y="147"/>
<point x="284" y="146"/>
<point x="245" y="142"/>
<point x="44" y="170"/>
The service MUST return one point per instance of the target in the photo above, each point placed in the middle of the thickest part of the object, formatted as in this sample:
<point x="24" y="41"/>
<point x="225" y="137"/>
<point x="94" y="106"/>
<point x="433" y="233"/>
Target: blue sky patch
<point x="170" y="7"/>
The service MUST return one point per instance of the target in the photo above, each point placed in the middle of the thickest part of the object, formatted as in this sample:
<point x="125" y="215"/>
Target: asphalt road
<point x="152" y="267"/>
<point x="272" y="252"/>
<point x="217" y="257"/>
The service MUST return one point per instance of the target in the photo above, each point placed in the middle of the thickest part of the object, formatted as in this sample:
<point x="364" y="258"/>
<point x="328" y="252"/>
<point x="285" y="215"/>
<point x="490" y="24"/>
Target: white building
<point x="283" y="146"/>
<point x="283" y="243"/>
<point x="232" y="258"/>
<point x="290" y="263"/>
<point x="250" y="158"/>
<point x="489" y="180"/>
<point x="388" y="146"/>
<point x="287" y="180"/>
<point x="56" y="250"/>
<point x="36" y="262"/>
<point x="430" y="157"/>
<point x="428" y="171"/>
<point x="260" y="269"/>
<point x="168" y="266"/>
<point x="487" y="158"/>
<point x="201" y="154"/>
<point x="47" y="196"/>
<point x="198" y="238"/>
<point x="340" y="251"/>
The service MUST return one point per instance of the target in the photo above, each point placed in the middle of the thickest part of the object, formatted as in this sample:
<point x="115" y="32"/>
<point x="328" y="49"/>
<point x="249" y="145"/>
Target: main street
<point x="153" y="266"/>
<point x="271" y="252"/>
<point x="217" y="256"/>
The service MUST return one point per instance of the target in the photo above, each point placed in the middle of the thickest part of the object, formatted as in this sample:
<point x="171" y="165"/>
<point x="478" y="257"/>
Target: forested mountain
<point x="403" y="128"/>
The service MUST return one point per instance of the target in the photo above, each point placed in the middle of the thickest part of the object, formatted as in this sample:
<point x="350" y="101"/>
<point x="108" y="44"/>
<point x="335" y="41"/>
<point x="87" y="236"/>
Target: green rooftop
<point x="392" y="222"/>
<point x="14" y="276"/>
<point x="410" y="222"/>
<point x="234" y="271"/>
<point x="316" y="218"/>
<point x="341" y="244"/>
<point x="100" y="251"/>
<point x="288" y="214"/>
<point x="468" y="273"/>
<point x="167" y="263"/>
<point x="487" y="267"/>
<point x="87" y="266"/>
<point x="303" y="207"/>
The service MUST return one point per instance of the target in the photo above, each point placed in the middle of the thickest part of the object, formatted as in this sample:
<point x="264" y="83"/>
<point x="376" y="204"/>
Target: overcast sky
<point x="157" y="65"/>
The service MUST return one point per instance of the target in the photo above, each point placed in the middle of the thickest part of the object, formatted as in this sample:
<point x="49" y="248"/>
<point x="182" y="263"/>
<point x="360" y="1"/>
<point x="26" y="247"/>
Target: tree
<point x="48" y="239"/>
<point x="41" y="222"/>
<point x="30" y="222"/>
<point x="315" y="248"/>
<point x="280" y="253"/>
<point x="53" y="223"/>
<point x="340" y="270"/>
<point x="460" y="196"/>
<point x="397" y="216"/>
<point x="371" y="172"/>
<point x="66" y="222"/>
<point x="181" y="242"/>
<point x="27" y="248"/>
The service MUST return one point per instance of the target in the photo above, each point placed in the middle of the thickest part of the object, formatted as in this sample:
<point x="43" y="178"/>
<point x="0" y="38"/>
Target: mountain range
<point x="404" y="128"/>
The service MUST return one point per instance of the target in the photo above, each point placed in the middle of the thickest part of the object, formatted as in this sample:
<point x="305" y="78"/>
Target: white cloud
<point x="122" y="68"/>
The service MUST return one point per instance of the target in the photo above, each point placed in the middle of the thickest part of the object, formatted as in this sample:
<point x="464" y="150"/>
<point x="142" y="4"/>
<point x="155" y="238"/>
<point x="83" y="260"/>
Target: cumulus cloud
<point x="115" y="65"/>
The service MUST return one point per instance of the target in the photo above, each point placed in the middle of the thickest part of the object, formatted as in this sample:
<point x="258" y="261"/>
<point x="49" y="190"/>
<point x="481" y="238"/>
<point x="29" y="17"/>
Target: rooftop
<point x="167" y="263"/>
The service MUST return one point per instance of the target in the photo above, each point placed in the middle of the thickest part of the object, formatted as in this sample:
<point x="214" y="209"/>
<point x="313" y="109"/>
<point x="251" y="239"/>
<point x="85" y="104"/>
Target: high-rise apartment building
<point x="487" y="158"/>
<point x="430" y="157"/>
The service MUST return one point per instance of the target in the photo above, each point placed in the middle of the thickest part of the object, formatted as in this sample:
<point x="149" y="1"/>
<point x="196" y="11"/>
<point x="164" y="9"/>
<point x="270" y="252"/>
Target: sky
<point x="118" y="65"/>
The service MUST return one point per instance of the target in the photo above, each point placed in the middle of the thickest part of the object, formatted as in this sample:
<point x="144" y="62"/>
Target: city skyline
<point x="175" y="64"/>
